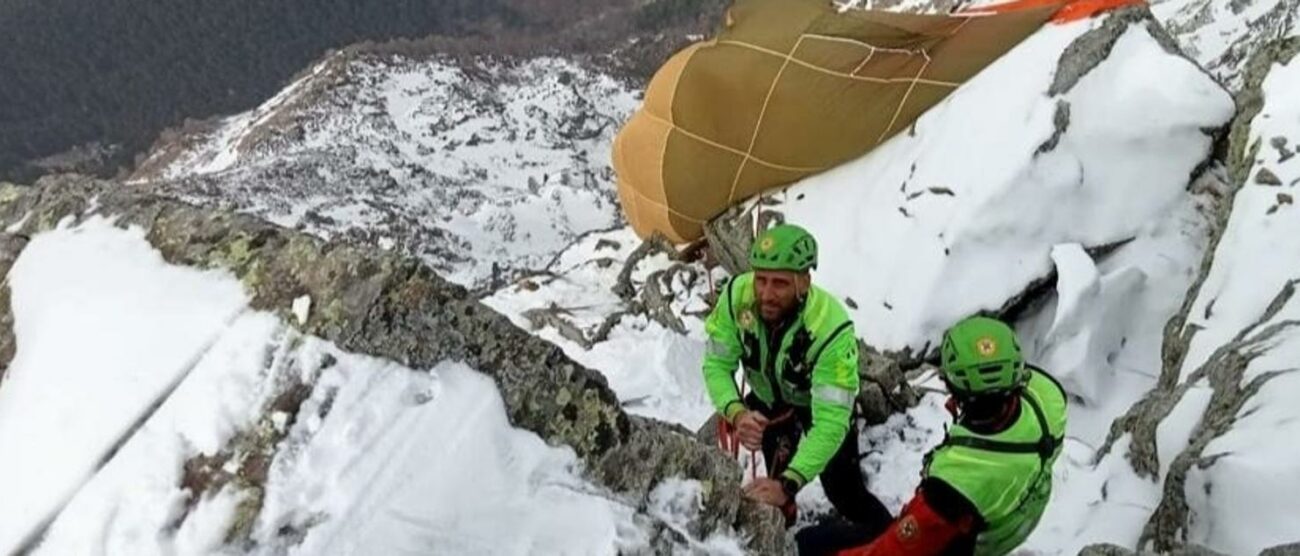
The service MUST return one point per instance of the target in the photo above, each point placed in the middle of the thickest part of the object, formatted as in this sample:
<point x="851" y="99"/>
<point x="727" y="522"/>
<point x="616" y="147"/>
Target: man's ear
<point x="803" y="282"/>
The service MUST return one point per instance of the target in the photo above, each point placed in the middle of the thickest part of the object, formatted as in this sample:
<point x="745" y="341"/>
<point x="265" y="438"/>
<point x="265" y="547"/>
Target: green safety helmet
<point x="980" y="355"/>
<point x="784" y="247"/>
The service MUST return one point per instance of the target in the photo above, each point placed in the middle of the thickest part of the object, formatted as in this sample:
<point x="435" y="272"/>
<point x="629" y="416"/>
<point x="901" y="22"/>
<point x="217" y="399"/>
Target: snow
<point x="1231" y="509"/>
<point x="135" y="503"/>
<point x="1251" y="451"/>
<point x="1106" y="503"/>
<point x="1221" y="35"/>
<point x="420" y="156"/>
<point x="482" y="169"/>
<point x="379" y="456"/>
<point x="967" y="194"/>
<point x="302" y="309"/>
<point x="677" y="503"/>
<point x="917" y="258"/>
<point x="654" y="371"/>
<point x="407" y="463"/>
<point x="893" y="453"/>
<point x="1245" y="277"/>
<point x="224" y="150"/>
<point x="103" y="328"/>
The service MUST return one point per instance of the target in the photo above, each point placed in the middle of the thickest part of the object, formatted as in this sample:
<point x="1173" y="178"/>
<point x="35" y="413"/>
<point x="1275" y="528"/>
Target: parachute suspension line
<point x="753" y="454"/>
<point x="708" y="273"/>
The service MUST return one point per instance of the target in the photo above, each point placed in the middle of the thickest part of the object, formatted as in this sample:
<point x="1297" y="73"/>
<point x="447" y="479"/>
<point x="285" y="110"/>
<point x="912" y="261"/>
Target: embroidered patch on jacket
<point x="986" y="346"/>
<point x="746" y="319"/>
<point x="908" y="528"/>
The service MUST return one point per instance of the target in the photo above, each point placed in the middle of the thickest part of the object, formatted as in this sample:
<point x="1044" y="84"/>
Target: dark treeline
<point x="118" y="72"/>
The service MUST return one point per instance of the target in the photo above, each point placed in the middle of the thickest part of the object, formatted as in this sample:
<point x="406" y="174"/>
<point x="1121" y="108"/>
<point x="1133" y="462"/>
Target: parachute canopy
<point x="789" y="88"/>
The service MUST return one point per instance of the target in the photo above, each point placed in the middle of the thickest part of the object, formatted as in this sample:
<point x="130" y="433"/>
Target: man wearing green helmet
<point x="985" y="487"/>
<point x="799" y="353"/>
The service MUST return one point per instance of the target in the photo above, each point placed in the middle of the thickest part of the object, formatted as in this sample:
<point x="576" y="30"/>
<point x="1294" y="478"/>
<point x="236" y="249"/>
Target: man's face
<point x="778" y="292"/>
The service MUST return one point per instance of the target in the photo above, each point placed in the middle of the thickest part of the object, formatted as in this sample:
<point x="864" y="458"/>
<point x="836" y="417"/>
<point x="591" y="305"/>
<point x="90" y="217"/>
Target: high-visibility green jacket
<point x="1007" y="476"/>
<point x="814" y="364"/>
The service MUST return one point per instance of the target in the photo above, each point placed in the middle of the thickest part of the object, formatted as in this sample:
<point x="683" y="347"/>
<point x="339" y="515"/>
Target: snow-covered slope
<point x="343" y="453"/>
<point x="1071" y="183"/>
<point x="942" y="222"/>
<point x="1222" y="34"/>
<point x="1218" y="434"/>
<point x="481" y="168"/>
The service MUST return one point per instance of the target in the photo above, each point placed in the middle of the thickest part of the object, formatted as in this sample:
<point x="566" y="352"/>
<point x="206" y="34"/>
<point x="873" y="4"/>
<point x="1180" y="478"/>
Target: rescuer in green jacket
<point x="799" y="354"/>
<point x="985" y="487"/>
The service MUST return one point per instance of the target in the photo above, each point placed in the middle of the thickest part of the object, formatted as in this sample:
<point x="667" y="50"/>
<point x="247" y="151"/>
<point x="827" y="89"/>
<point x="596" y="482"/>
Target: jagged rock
<point x="1279" y="144"/>
<point x="378" y="303"/>
<point x="1092" y="48"/>
<point x="1114" y="550"/>
<point x="1223" y="35"/>
<point x="729" y="237"/>
<point x="885" y="390"/>
<point x="1193" y="550"/>
<point x="1225" y="367"/>
<point x="1106" y="550"/>
<point x="1284" y="550"/>
<point x="1242" y="151"/>
<point x="1266" y="177"/>
<point x="10" y="246"/>
<point x="1060" y="123"/>
<point x="1224" y="370"/>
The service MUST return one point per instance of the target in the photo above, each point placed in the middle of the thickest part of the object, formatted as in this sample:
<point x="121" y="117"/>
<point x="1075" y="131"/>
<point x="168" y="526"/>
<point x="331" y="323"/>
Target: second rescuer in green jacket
<point x="799" y="353"/>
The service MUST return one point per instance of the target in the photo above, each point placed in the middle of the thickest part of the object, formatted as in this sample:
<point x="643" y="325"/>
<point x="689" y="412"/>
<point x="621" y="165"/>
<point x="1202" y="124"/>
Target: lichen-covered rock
<point x="1114" y="550"/>
<point x="1285" y="550"/>
<point x="382" y="304"/>
<point x="1093" y="47"/>
<point x="729" y="236"/>
<point x="653" y="451"/>
<point x="10" y="246"/>
<point x="1241" y="155"/>
<point x="1106" y="550"/>
<point x="884" y="390"/>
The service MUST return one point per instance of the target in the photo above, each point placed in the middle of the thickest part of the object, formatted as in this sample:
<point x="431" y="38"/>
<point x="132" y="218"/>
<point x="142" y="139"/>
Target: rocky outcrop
<point x="1241" y="155"/>
<point x="1224" y="370"/>
<point x="386" y="305"/>
<point x="1094" y="47"/>
<point x="1284" y="550"/>
<point x="1223" y="36"/>
<point x="10" y="246"/>
<point x="1189" y="550"/>
<point x="1114" y="550"/>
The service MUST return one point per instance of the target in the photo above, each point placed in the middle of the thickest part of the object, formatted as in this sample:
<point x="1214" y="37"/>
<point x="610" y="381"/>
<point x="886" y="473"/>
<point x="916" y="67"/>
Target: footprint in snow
<point x="421" y="388"/>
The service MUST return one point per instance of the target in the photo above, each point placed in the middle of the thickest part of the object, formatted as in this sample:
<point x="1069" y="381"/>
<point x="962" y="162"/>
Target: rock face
<point x="1250" y="100"/>
<point x="390" y="306"/>
<point x="1114" y="550"/>
<point x="1224" y="35"/>
<point x="1285" y="550"/>
<point x="1224" y="351"/>
<point x="10" y="247"/>
<point x="1190" y="550"/>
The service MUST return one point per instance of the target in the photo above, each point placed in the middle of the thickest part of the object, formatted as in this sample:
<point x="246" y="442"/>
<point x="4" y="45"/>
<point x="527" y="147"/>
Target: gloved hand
<point x="749" y="428"/>
<point x="767" y="490"/>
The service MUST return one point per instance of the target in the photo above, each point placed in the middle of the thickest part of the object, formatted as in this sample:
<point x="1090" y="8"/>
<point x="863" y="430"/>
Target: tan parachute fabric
<point x="789" y="88"/>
